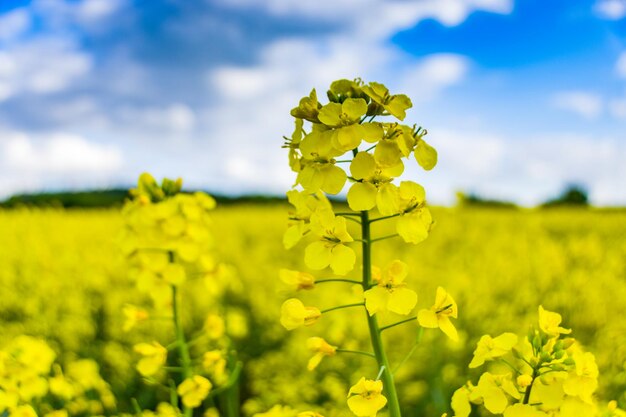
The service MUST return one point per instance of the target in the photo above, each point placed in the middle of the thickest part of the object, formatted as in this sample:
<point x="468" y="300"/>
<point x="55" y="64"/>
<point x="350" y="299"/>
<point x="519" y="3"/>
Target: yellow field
<point x="64" y="278"/>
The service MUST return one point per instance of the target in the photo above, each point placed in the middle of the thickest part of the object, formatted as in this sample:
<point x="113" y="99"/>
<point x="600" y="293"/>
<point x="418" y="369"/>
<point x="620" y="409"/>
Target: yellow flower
<point x="57" y="413"/>
<point x="391" y="293"/>
<point x="297" y="280"/>
<point x="214" y="326"/>
<point x="461" y="402"/>
<point x="438" y="316"/>
<point x="523" y="410"/>
<point x="415" y="219"/>
<point x="396" y="143"/>
<point x="133" y="316"/>
<point x="374" y="185"/>
<point x="331" y="249"/>
<point x="489" y="390"/>
<point x="319" y="171"/>
<point x="294" y="314"/>
<point x="524" y="380"/>
<point x="305" y="205"/>
<point x="308" y="108"/>
<point x="214" y="363"/>
<point x="321" y="348"/>
<point x="489" y="348"/>
<point x="174" y="274"/>
<point x="549" y="323"/>
<point x="344" y="118"/>
<point x="582" y="381"/>
<point x="396" y="104"/>
<point x="309" y="414"/>
<point x="153" y="358"/>
<point x="425" y="155"/>
<point x="365" y="398"/>
<point x="23" y="411"/>
<point x="293" y="144"/>
<point x="211" y="412"/>
<point x="194" y="390"/>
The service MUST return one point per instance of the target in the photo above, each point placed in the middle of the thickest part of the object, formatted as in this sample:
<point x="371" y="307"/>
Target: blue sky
<point x="519" y="97"/>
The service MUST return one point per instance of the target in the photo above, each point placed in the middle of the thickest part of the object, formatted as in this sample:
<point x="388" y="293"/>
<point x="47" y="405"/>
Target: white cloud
<point x="177" y="117"/>
<point x="432" y="74"/>
<point x="14" y="24"/>
<point x="58" y="153"/>
<point x="41" y="66"/>
<point x="585" y="104"/>
<point x="610" y="9"/>
<point x="617" y="108"/>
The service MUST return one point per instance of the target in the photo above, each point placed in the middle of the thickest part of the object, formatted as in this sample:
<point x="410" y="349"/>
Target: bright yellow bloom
<point x="133" y="316"/>
<point x="166" y="410"/>
<point x="582" y="381"/>
<point x="211" y="412"/>
<point x="396" y="143"/>
<point x="365" y="398"/>
<point x="305" y="205"/>
<point x="391" y="292"/>
<point x="489" y="348"/>
<point x="194" y="390"/>
<point x="425" y="155"/>
<point x="331" y="249"/>
<point x="549" y="323"/>
<point x="57" y="413"/>
<point x="321" y="348"/>
<point x="214" y="326"/>
<point x="415" y="219"/>
<point x="308" y="108"/>
<point x="344" y="118"/>
<point x="396" y="105"/>
<point x="214" y="363"/>
<point x="294" y="314"/>
<point x="489" y="390"/>
<point x="523" y="410"/>
<point x="293" y="144"/>
<point x="438" y="316"/>
<point x="319" y="171"/>
<point x="153" y="358"/>
<point x="373" y="186"/>
<point x="23" y="411"/>
<point x="297" y="280"/>
<point x="461" y="402"/>
<point x="524" y="380"/>
<point x="174" y="274"/>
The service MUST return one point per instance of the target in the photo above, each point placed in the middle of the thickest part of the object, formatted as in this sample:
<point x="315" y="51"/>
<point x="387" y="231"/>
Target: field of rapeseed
<point x="183" y="308"/>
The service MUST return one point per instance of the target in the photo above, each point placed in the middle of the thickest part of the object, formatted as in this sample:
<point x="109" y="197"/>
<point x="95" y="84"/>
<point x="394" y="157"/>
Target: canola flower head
<point x="153" y="357"/>
<point x="365" y="398"/>
<point x="294" y="314"/>
<point x="297" y="280"/>
<point x="390" y="292"/>
<point x="194" y="390"/>
<point x="549" y="323"/>
<point x="133" y="316"/>
<point x="331" y="249"/>
<point x="438" y="316"/>
<point x="374" y="185"/>
<point x="489" y="348"/>
<point x="320" y="348"/>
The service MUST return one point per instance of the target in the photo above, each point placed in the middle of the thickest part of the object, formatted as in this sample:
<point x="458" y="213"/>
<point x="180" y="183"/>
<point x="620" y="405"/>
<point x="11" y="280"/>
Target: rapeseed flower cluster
<point x="547" y="374"/>
<point x="32" y="383"/>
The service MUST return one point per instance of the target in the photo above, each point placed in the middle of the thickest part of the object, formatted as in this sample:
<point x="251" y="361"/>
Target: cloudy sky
<point x="519" y="97"/>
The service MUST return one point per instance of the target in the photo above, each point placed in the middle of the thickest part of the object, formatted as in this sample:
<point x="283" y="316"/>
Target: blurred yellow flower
<point x="153" y="358"/>
<point x="133" y="315"/>
<point x="194" y="390"/>
<point x="297" y="280"/>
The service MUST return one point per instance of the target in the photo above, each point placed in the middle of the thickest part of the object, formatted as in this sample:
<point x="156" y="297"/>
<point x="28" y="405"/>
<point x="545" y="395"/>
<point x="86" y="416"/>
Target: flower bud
<point x="524" y="380"/>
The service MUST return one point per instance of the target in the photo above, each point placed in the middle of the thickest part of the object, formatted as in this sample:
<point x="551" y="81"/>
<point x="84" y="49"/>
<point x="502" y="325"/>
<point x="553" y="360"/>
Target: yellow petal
<point x="342" y="259"/>
<point x="317" y="255"/>
<point x="402" y="301"/>
<point x="427" y="318"/>
<point x="387" y="200"/>
<point x="363" y="166"/>
<point x="362" y="196"/>
<point x="425" y="155"/>
<point x="376" y="299"/>
<point x="333" y="179"/>
<point x="448" y="328"/>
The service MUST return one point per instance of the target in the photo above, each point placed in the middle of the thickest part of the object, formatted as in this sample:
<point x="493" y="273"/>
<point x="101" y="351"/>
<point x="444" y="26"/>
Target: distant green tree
<point x="573" y="195"/>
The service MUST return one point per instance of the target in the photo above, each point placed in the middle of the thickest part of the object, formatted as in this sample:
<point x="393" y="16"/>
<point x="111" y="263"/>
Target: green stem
<point x="351" y="281"/>
<point x="342" y="306"/>
<point x="372" y="321"/>
<point x="383" y="218"/>
<point x="347" y="214"/>
<point x="408" y="355"/>
<point x="356" y="352"/>
<point x="529" y="388"/>
<point x="389" y="326"/>
<point x="384" y="237"/>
